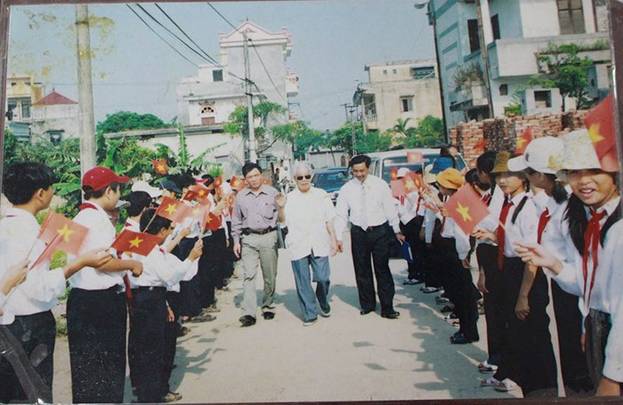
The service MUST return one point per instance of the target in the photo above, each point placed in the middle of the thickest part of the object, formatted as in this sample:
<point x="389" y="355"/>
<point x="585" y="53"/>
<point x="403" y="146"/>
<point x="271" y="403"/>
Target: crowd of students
<point x="553" y="221"/>
<point x="552" y="233"/>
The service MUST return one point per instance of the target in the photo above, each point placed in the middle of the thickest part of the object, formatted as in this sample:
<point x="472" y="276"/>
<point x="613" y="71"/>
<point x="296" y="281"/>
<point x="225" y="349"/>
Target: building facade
<point x="22" y="93"/>
<point x="208" y="98"/>
<point x="399" y="90"/>
<point x="54" y="118"/>
<point x="515" y="32"/>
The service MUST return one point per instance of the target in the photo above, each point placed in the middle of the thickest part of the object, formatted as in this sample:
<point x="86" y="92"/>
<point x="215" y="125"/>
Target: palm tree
<point x="402" y="127"/>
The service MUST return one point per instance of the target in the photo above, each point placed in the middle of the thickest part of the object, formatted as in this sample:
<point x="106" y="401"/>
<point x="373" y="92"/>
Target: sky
<point x="133" y="70"/>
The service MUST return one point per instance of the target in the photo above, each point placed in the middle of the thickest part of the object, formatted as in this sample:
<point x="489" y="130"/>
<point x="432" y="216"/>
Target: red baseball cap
<point x="99" y="178"/>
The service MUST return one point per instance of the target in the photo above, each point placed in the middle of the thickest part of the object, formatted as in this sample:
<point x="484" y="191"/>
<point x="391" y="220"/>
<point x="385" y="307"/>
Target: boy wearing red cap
<point x="96" y="308"/>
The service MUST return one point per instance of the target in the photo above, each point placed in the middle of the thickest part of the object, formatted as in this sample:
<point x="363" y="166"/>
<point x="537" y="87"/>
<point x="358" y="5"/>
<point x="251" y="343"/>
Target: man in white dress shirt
<point x="366" y="201"/>
<point x="309" y="215"/>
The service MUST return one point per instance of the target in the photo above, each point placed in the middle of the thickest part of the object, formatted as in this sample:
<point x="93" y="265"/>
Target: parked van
<point x="383" y="162"/>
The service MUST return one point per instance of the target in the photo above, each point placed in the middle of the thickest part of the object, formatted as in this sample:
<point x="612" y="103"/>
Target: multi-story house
<point x="22" y="93"/>
<point x="515" y="33"/>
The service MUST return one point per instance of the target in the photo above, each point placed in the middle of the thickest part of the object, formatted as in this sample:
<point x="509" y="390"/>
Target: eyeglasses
<point x="306" y="177"/>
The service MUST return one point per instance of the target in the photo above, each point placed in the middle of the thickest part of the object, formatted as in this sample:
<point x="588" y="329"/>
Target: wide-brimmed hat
<point x="402" y="172"/>
<point x="428" y="177"/>
<point x="451" y="179"/>
<point x="542" y="155"/>
<point x="579" y="152"/>
<point x="501" y="162"/>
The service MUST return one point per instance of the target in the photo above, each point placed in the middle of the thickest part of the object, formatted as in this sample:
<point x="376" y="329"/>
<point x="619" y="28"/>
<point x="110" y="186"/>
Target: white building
<point x="514" y="31"/>
<point x="402" y="89"/>
<point x="54" y="118"/>
<point x="214" y="93"/>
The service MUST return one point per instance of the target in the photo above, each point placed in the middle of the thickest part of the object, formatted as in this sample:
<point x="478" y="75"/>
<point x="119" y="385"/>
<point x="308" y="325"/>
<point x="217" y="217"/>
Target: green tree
<point x="429" y="132"/>
<point x="126" y="121"/>
<point x="565" y="69"/>
<point x="10" y="146"/>
<point x="262" y="112"/>
<point x="402" y="126"/>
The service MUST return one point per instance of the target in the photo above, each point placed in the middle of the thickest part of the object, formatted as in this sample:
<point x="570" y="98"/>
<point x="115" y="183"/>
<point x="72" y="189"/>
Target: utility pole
<point x="85" y="90"/>
<point x="484" y="54"/>
<point x="348" y="111"/>
<point x="247" y="86"/>
<point x="4" y="46"/>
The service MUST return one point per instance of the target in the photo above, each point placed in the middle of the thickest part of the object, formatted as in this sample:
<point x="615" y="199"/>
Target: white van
<point x="383" y="162"/>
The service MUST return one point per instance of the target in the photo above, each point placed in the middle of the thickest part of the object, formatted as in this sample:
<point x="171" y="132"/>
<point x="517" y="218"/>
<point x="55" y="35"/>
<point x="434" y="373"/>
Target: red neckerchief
<point x="419" y="200"/>
<point x="501" y="232"/>
<point x="126" y="281"/>
<point x="486" y="198"/>
<point x="543" y="221"/>
<point x="592" y="236"/>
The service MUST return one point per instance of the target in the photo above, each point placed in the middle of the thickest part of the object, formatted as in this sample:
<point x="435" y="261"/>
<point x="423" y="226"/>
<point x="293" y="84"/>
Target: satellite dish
<point x="420" y="5"/>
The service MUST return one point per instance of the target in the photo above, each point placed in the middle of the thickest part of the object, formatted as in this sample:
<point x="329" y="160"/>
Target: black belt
<point x="372" y="228"/>
<point x="247" y="231"/>
<point x="150" y="288"/>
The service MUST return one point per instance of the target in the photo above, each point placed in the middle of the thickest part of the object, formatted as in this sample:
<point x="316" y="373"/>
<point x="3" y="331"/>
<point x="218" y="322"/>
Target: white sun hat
<point x="402" y="172"/>
<point x="140" y="185"/>
<point x="542" y="155"/>
<point x="578" y="152"/>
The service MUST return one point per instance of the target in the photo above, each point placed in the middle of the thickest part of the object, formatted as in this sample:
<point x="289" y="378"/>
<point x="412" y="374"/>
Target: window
<point x="427" y="72"/>
<point x="26" y="109"/>
<point x="474" y="42"/>
<point x="406" y="103"/>
<point x="217" y="75"/>
<point x="394" y="71"/>
<point x="571" y="17"/>
<point x="55" y="136"/>
<point x="503" y="89"/>
<point x="384" y="71"/>
<point x="495" y="27"/>
<point x="543" y="99"/>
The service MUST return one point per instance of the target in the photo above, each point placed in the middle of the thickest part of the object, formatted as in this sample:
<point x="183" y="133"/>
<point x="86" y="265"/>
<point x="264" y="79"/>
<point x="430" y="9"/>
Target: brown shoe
<point x="172" y="397"/>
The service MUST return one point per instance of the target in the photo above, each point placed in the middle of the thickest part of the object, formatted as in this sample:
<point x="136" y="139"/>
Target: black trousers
<point x="573" y="365"/>
<point x="212" y="266"/>
<point x="96" y="326"/>
<point x="598" y="325"/>
<point x="170" y="340"/>
<point x="432" y="259"/>
<point x="190" y="304"/>
<point x="460" y="289"/>
<point x="528" y="356"/>
<point x="367" y="247"/>
<point x="411" y="230"/>
<point x="494" y="310"/>
<point x="37" y="334"/>
<point x="147" y="333"/>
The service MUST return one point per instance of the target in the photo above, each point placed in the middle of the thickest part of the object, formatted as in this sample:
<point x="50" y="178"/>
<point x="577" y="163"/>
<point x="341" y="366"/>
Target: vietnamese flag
<point x="67" y="237"/>
<point x="236" y="183"/>
<point x="398" y="189"/>
<point x="466" y="208"/>
<point x="412" y="182"/>
<point x="52" y="224"/>
<point x="600" y="124"/>
<point x="197" y="192"/>
<point x="161" y="166"/>
<point x="135" y="242"/>
<point x="173" y="210"/>
<point x="394" y="173"/>
<point x="523" y="140"/>
<point x="211" y="221"/>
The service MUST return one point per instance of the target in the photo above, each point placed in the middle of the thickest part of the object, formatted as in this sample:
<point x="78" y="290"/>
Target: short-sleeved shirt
<point x="254" y="210"/>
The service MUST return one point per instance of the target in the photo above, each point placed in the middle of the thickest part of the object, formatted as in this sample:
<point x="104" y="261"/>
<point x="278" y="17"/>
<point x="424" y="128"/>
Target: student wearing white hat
<point x="430" y="231"/>
<point x="589" y="266"/>
<point x="540" y="163"/>
<point x="410" y="223"/>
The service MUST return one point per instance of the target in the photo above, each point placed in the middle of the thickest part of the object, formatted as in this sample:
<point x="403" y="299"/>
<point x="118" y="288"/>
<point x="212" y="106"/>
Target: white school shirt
<point x="452" y="230"/>
<point x="525" y="227"/>
<point x="379" y="205"/>
<point x="408" y="209"/>
<point x="163" y="269"/>
<point x="606" y="294"/>
<point x="490" y="222"/>
<point x="19" y="232"/>
<point x="100" y="237"/>
<point x="430" y="217"/>
<point x="307" y="215"/>
<point x="555" y="234"/>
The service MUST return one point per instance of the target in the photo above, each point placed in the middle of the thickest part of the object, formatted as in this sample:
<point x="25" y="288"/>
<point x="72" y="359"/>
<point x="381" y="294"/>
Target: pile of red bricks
<point x="475" y="137"/>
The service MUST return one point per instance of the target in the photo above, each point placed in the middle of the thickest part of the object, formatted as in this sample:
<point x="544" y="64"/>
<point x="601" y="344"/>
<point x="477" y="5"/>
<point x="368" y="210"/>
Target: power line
<point x="266" y="70"/>
<point x="222" y="16"/>
<point x="161" y="37"/>
<point x="185" y="34"/>
<point x="173" y="34"/>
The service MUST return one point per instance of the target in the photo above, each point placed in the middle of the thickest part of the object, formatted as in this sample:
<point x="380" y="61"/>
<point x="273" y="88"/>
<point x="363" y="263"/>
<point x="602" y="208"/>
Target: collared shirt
<point x="365" y="204"/>
<point x="490" y="222"/>
<point x="101" y="236"/>
<point x="19" y="232"/>
<point x="606" y="294"/>
<point x="254" y="210"/>
<point x="555" y="234"/>
<point x="132" y="225"/>
<point x="307" y="215"/>
<point x="162" y="269"/>
<point x="525" y="227"/>
<point x="408" y="207"/>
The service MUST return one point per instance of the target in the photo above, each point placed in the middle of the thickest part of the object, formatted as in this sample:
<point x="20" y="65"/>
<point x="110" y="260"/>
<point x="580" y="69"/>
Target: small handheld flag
<point x="523" y="140"/>
<point x="161" y="166"/>
<point x="600" y="124"/>
<point x="466" y="208"/>
<point x="139" y="243"/>
<point x="67" y="236"/>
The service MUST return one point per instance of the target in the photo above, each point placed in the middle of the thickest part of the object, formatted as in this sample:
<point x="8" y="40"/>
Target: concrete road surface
<point x="344" y="357"/>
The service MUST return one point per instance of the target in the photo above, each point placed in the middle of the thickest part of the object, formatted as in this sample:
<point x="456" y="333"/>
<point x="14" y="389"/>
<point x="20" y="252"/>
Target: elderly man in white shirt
<point x="309" y="215"/>
<point x="366" y="201"/>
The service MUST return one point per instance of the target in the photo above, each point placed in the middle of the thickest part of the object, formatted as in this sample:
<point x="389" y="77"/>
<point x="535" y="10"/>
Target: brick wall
<point x="475" y="137"/>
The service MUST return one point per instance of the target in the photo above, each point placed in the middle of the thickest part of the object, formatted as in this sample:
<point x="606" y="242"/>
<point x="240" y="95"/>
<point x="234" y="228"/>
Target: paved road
<point x="344" y="357"/>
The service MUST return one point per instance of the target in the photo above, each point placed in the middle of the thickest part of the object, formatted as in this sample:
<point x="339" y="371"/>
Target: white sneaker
<point x="485" y="367"/>
<point x="490" y="382"/>
<point x="310" y="322"/>
<point x="506" y="385"/>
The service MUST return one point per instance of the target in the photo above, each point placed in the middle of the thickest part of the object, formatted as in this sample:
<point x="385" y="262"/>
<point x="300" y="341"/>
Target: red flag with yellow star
<point x="161" y="166"/>
<point x="412" y="182"/>
<point x="211" y="221"/>
<point x="600" y="124"/>
<point x="466" y="208"/>
<point x="415" y="157"/>
<point x="197" y="192"/>
<point x="173" y="210"/>
<point x="60" y="233"/>
<point x="236" y="183"/>
<point x="139" y="243"/>
<point x="523" y="140"/>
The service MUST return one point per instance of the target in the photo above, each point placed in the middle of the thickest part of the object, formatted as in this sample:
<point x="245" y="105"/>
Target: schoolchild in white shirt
<point x="540" y="162"/>
<point x="96" y="307"/>
<point x="27" y="309"/>
<point x="591" y="263"/>
<point x="409" y="208"/>
<point x="527" y="356"/>
<point x="432" y="260"/>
